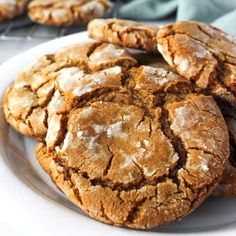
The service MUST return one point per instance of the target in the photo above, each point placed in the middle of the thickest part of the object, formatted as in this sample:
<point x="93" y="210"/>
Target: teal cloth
<point x="220" y="13"/>
<point x="148" y="9"/>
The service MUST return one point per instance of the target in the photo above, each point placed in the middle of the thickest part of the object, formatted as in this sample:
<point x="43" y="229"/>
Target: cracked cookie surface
<point x="67" y="12"/>
<point x="124" y="33"/>
<point x="9" y="9"/>
<point x="202" y="54"/>
<point x="206" y="56"/>
<point x="42" y="89"/>
<point x="142" y="155"/>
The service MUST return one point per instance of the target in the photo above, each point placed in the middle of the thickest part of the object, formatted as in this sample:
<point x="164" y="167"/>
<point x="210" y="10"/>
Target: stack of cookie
<point x="132" y="139"/>
<point x="54" y="12"/>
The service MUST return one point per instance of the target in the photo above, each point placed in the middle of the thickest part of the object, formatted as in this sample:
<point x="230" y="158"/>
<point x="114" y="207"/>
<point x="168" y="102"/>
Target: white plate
<point x="34" y="206"/>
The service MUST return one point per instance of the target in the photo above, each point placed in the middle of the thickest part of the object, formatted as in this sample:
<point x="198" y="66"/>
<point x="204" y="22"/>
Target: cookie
<point x="125" y="33"/>
<point x="206" y="56"/>
<point x="39" y="91"/>
<point x="227" y="186"/>
<point x="142" y="156"/>
<point x="67" y="12"/>
<point x="202" y="54"/>
<point x="10" y="9"/>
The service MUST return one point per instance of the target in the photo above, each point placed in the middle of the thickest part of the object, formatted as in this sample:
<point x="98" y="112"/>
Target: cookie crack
<point x="29" y="113"/>
<point x="110" y="28"/>
<point x="220" y="75"/>
<point x="195" y="190"/>
<point x="216" y="73"/>
<point x="119" y="187"/>
<point x="135" y="162"/>
<point x="68" y="178"/>
<point x="206" y="111"/>
<point x="150" y="129"/>
<point x="202" y="150"/>
<point x="44" y="105"/>
<point x="45" y="122"/>
<point x="104" y="215"/>
<point x="77" y="194"/>
<point x="106" y="170"/>
<point x="210" y="36"/>
<point x="207" y="152"/>
<point x="175" y="142"/>
<point x="134" y="211"/>
<point x="48" y="97"/>
<point x="139" y="101"/>
<point x="171" y="51"/>
<point x="91" y="50"/>
<point x="94" y="96"/>
<point x="63" y="130"/>
<point x="197" y="77"/>
<point x="189" y="186"/>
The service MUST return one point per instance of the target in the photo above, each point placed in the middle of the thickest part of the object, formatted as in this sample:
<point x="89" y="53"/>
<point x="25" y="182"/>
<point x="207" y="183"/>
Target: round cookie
<point x="67" y="12"/>
<point x="142" y="156"/>
<point x="42" y="89"/>
<point x="126" y="33"/>
<point x="202" y="54"/>
<point x="9" y="9"/>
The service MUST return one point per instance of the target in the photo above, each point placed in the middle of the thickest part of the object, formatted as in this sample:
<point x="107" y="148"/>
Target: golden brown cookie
<point x="9" y="9"/>
<point x="39" y="91"/>
<point x="206" y="56"/>
<point x="67" y="12"/>
<point x="141" y="156"/>
<point x="124" y="33"/>
<point x="202" y="54"/>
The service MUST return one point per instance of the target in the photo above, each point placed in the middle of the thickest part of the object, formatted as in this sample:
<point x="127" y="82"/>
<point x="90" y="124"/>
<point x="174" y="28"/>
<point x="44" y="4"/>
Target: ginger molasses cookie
<point x="206" y="56"/>
<point x="142" y="156"/>
<point x="202" y="54"/>
<point x="124" y="32"/>
<point x="9" y="9"/>
<point x="41" y="90"/>
<point x="67" y="12"/>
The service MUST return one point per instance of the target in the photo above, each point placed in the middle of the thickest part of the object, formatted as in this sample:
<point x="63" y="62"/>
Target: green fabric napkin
<point x="148" y="9"/>
<point x="220" y="13"/>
